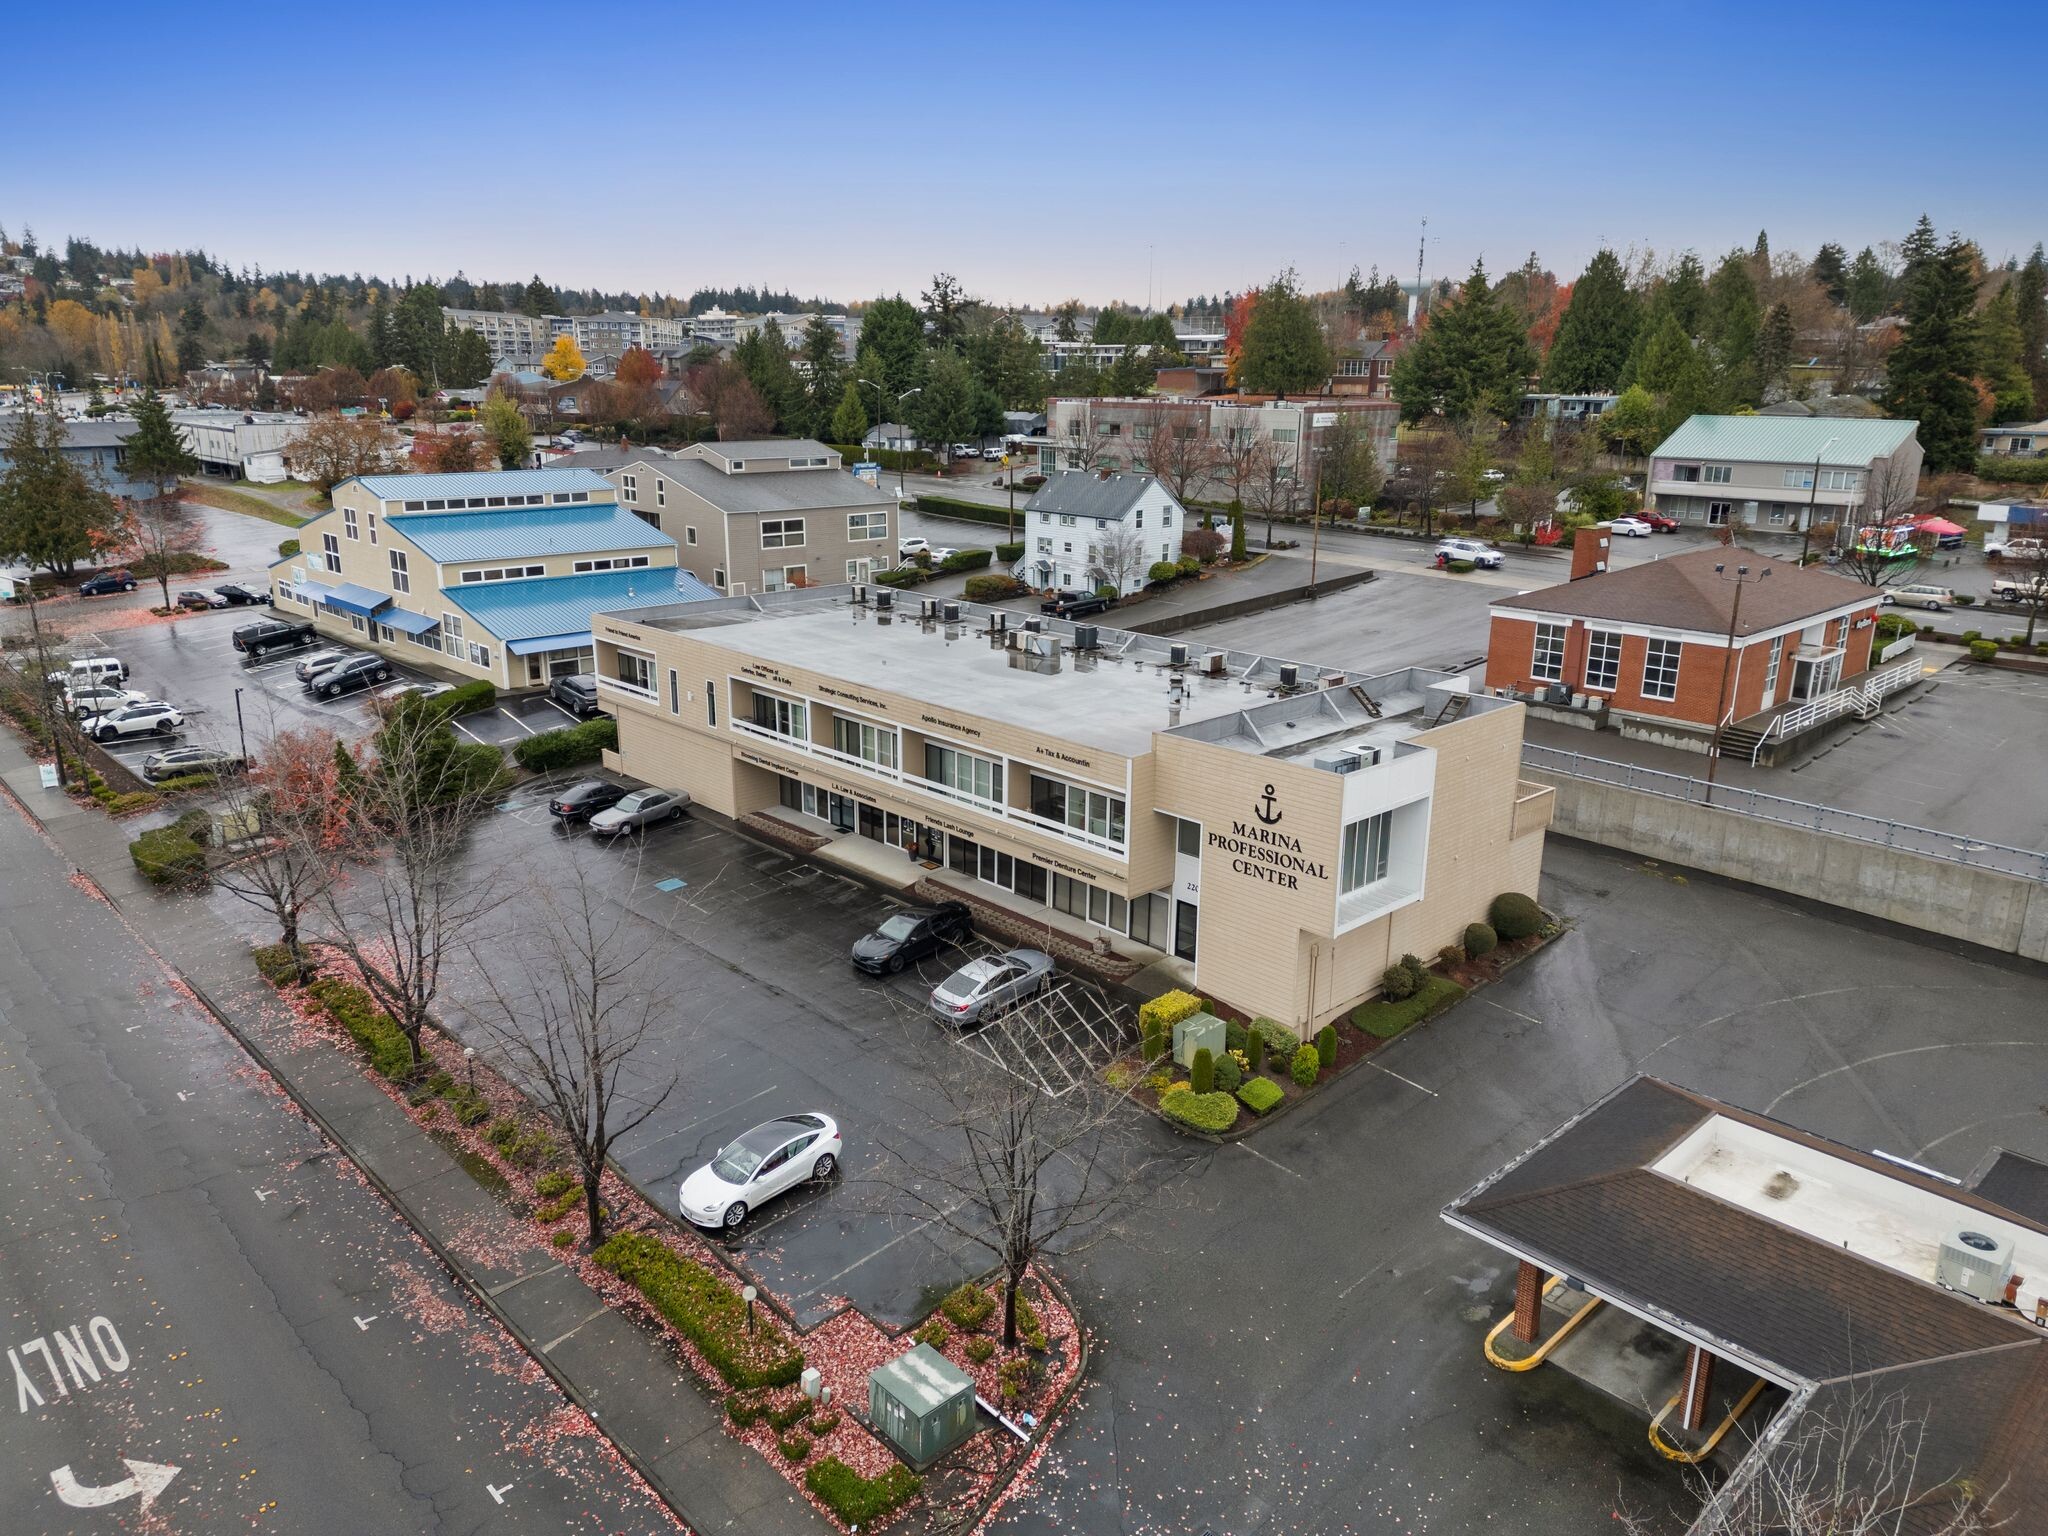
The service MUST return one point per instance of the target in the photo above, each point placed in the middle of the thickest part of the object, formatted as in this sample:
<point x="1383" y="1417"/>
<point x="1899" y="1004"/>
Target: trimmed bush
<point x="464" y="699"/>
<point x="705" y="1310"/>
<point x="1234" y="1035"/>
<point x="276" y="964"/>
<point x="1202" y="1072"/>
<point x="165" y="856"/>
<point x="1163" y="571"/>
<point x="858" y="1500"/>
<point x="1326" y="1046"/>
<point x="1515" y="916"/>
<point x="1260" y="1095"/>
<point x="993" y="587"/>
<point x="1983" y="650"/>
<point x="820" y="1424"/>
<point x="1451" y="955"/>
<point x="1383" y="1020"/>
<point x="550" y="1186"/>
<point x="996" y="516"/>
<point x="1413" y="965"/>
<point x="563" y="1238"/>
<point x="980" y="1350"/>
<point x="933" y="1333"/>
<point x="1480" y="939"/>
<point x="795" y="1445"/>
<point x="966" y="560"/>
<point x="1255" y="1051"/>
<point x="1397" y="982"/>
<point x="569" y="745"/>
<point x="1228" y="1074"/>
<point x="788" y="1413"/>
<point x="1010" y="552"/>
<point x="1210" y="1112"/>
<point x="968" y="1307"/>
<point x="1166" y="1010"/>
<point x="184" y="781"/>
<point x="1280" y="1040"/>
<point x="1306" y="1067"/>
<point x="1189" y="565"/>
<point x="901" y="576"/>
<point x="745" y="1408"/>
<point x="368" y="1025"/>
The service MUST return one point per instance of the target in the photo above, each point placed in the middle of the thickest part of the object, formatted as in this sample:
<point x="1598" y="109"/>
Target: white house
<point x="1085" y="530"/>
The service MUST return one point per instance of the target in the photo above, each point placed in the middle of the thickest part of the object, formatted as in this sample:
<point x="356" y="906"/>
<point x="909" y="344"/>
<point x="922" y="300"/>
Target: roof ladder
<point x="1371" y="707"/>
<point x="1454" y="708"/>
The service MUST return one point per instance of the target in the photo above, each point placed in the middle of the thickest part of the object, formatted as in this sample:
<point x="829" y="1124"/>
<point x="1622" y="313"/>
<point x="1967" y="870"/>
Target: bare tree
<point x="333" y="448"/>
<point x="1177" y="451"/>
<point x="2023" y="582"/>
<point x="44" y="665"/>
<point x="1427" y="462"/>
<point x="294" y="800"/>
<point x="1269" y="485"/>
<point x="580" y="1010"/>
<point x="1116" y="556"/>
<point x="160" y="526"/>
<point x="1241" y="455"/>
<point x="1081" y="447"/>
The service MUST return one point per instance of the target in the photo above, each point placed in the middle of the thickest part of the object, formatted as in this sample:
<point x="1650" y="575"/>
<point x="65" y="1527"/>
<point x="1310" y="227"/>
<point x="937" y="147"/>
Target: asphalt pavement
<point x="211" y="1313"/>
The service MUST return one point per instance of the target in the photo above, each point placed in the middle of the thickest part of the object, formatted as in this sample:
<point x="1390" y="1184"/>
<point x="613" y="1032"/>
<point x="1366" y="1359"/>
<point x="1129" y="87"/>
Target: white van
<point x="92" y="671"/>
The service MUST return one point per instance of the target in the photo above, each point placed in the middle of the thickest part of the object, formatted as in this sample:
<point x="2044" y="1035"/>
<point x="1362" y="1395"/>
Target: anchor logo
<point x="1264" y="809"/>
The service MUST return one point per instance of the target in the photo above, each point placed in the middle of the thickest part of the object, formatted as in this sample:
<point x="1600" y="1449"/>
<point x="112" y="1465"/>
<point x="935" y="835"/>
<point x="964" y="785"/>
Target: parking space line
<point x="876" y="1252"/>
<point x="1255" y="1152"/>
<point x="1411" y="1081"/>
<point x="703" y="1119"/>
<point x="472" y="735"/>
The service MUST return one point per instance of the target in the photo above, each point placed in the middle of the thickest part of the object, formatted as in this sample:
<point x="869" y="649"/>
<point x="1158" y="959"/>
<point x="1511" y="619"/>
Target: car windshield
<point x="898" y="928"/>
<point x="743" y="1158"/>
<point x="635" y="800"/>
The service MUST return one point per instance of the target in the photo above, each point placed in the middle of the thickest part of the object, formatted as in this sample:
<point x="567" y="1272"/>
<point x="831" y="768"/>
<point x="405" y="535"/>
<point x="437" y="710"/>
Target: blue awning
<point x="350" y="598"/>
<point x="311" y="591"/>
<point x="408" y="622"/>
<point x="534" y="647"/>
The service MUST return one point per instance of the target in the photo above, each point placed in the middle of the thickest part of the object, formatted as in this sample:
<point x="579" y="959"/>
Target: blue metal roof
<point x="549" y="606"/>
<point x="504" y="482"/>
<point x="528" y="533"/>
<point x="407" y="622"/>
<point x="350" y="598"/>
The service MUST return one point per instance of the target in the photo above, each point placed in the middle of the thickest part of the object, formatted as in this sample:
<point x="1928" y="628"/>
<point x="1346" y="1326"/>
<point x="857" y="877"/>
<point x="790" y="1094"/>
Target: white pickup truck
<point x="1998" y="547"/>
<point x="2024" y="588"/>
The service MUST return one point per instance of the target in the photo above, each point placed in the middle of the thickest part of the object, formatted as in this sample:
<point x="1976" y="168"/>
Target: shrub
<point x="1029" y="1328"/>
<point x="1460" y="567"/>
<point x="183" y="782"/>
<point x="1965" y="599"/>
<point x="531" y="1149"/>
<point x="1280" y="1040"/>
<point x="1202" y="1072"/>
<point x="1413" y="965"/>
<point x="121" y="805"/>
<point x="563" y="1238"/>
<point x="503" y="1132"/>
<point x="1260" y="1095"/>
<point x="552" y="1186"/>
<point x="1203" y="544"/>
<point x="1015" y="1374"/>
<point x="1983" y="650"/>
<point x="1228" y="1072"/>
<point x="902" y="576"/>
<point x="1972" y="636"/>
<point x="1397" y="982"/>
<point x="1010" y="552"/>
<point x="1183" y="1086"/>
<point x="1211" y="1112"/>
<point x="1163" y="571"/>
<point x="1255" y="1051"/>
<point x="1480" y="939"/>
<point x="788" y="1413"/>
<point x="1306" y="1067"/>
<point x="276" y="964"/>
<point x="1892" y="625"/>
<point x="1383" y="1019"/>
<point x="1326" y="1047"/>
<point x="1167" y="1010"/>
<point x="966" y="560"/>
<point x="932" y="1333"/>
<point x="286" y="548"/>
<point x="1189" y="565"/>
<point x="1515" y="916"/>
<point x="980" y="1349"/>
<point x="795" y="1445"/>
<point x="567" y="746"/>
<point x="165" y="856"/>
<point x="858" y="1500"/>
<point x="993" y="587"/>
<point x="367" y="1024"/>
<point x="471" y="1108"/>
<point x="1233" y="1035"/>
<point x="1451" y="955"/>
<point x="968" y="1307"/>
<point x="745" y="1408"/>
<point x="820" y="1424"/>
<point x="705" y="1310"/>
<point x="562" y="1204"/>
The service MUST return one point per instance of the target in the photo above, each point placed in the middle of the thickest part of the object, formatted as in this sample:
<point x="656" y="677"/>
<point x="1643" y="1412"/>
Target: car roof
<point x="769" y="1135"/>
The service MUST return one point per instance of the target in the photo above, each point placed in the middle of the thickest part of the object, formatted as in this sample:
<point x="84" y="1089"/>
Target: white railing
<point x="922" y="785"/>
<point x="1898" y="647"/>
<point x="620" y="686"/>
<point x="1861" y="698"/>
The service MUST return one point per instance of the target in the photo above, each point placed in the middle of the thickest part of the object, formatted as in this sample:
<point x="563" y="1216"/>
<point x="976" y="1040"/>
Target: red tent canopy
<point x="1941" y="527"/>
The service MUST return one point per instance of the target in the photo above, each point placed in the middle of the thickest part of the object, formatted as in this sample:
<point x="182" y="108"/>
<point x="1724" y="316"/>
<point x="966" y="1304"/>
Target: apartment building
<point x="1085" y="530"/>
<point x="1783" y="474"/>
<point x="1278" y="832"/>
<point x="615" y="330"/>
<point x="250" y="444"/>
<point x="517" y="341"/>
<point x="2015" y="440"/>
<point x="485" y="575"/>
<point x="1083" y="433"/>
<point x="763" y="515"/>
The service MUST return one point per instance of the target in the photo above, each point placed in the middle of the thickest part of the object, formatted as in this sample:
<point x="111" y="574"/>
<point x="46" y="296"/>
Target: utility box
<point x="923" y="1403"/>
<point x="1194" y="1032"/>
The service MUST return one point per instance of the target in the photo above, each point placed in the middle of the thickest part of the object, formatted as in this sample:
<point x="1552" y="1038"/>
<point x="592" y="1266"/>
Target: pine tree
<point x="892" y="347"/>
<point x="1283" y="351"/>
<point x="156" y="451"/>
<point x="1869" y="287"/>
<point x="1686" y="293"/>
<point x="538" y="298"/>
<point x="1732" y="321"/>
<point x="1928" y="375"/>
<point x="1775" y="347"/>
<point x="850" y="420"/>
<point x="1597" y="331"/>
<point x="1473" y="360"/>
<point x="2001" y="361"/>
<point x="1830" y="272"/>
<point x="2030" y="308"/>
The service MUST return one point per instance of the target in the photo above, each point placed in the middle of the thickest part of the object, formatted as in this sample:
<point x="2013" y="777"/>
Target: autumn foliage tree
<point x="331" y="449"/>
<point x="638" y="366"/>
<point x="564" y="360"/>
<point x="295" y="798"/>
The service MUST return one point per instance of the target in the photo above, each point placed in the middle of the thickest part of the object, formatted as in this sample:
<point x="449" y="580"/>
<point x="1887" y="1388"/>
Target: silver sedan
<point x="642" y="808"/>
<point x="982" y="988"/>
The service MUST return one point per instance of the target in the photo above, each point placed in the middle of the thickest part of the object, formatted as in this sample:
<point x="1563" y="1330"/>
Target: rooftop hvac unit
<point x="1177" y="654"/>
<point x="884" y="601"/>
<point x="860" y="592"/>
<point x="1086" y="637"/>
<point x="1290" y="674"/>
<point x="1557" y="693"/>
<point x="950" y="612"/>
<point x="1213" y="663"/>
<point x="1975" y="1263"/>
<point x="1033" y="624"/>
<point x="998" y="622"/>
<point x="1351" y="760"/>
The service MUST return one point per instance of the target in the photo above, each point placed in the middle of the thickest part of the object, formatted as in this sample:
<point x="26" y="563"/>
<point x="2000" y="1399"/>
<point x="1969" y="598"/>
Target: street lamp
<point x="1722" y="707"/>
<point x="1806" y="532"/>
<point x="880" y="410"/>
<point x="241" y="734"/>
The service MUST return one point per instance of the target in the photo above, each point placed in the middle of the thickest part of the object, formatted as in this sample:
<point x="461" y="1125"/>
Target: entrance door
<point x="1814" y="676"/>
<point x="871" y="822"/>
<point x="1185" y="914"/>
<point x="1717" y="514"/>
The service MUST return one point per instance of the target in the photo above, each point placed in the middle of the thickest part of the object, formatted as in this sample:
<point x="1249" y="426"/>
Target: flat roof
<point x="1113" y="698"/>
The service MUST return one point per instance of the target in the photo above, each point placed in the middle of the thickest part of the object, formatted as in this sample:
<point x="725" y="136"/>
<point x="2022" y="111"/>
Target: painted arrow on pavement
<point x="145" y="1479"/>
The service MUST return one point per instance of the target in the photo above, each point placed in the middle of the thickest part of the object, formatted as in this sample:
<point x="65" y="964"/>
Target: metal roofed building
<point x="1821" y="1271"/>
<point x="1785" y="473"/>
<point x="482" y="575"/>
<point x="98" y="447"/>
<point x="1283" y="831"/>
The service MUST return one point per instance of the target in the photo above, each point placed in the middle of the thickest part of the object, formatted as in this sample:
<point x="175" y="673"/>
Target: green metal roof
<point x="1786" y="439"/>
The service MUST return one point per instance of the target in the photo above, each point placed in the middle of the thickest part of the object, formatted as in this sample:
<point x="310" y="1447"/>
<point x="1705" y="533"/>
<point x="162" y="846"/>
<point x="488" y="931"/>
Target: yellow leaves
<point x="72" y="324"/>
<point x="564" y="359"/>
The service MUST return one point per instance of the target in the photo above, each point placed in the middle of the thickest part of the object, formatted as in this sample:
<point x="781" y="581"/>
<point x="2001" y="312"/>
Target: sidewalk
<point x="654" y="1411"/>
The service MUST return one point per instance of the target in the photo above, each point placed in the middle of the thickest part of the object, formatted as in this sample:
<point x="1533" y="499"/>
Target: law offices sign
<point x="1261" y="848"/>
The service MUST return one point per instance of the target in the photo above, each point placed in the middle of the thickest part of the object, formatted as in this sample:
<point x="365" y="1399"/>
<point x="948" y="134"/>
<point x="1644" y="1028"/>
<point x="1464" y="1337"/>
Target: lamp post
<point x="1741" y="578"/>
<point x="1813" y="490"/>
<point x="241" y="734"/>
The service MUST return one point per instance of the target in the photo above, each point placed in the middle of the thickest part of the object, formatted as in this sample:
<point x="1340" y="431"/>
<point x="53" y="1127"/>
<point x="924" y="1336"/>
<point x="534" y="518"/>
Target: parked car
<point x="1659" y="523"/>
<point x="1999" y="547"/>
<point x="1920" y="594"/>
<point x="577" y="694"/>
<point x="1630" y="528"/>
<point x="88" y="699"/>
<point x="965" y="451"/>
<point x="349" y="676"/>
<point x="175" y="762"/>
<point x="91" y="671"/>
<point x="983" y="988"/>
<point x="265" y="635"/>
<point x="912" y="545"/>
<point x="320" y="661"/>
<point x="198" y="602"/>
<point x="911" y="935"/>
<point x="234" y="596"/>
<point x="106" y="583"/>
<point x="384" y="698"/>
<point x="1075" y="604"/>
<point x="992" y="454"/>
<point x="581" y="801"/>
<point x="2021" y="589"/>
<point x="1485" y="556"/>
<point x="152" y="717"/>
<point x="642" y="808"/>
<point x="759" y="1165"/>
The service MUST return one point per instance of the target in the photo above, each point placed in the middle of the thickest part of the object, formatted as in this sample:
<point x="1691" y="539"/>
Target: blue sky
<point x="1035" y="151"/>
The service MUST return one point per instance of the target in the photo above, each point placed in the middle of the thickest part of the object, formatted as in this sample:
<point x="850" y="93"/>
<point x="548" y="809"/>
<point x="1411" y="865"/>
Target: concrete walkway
<point x="656" y="1412"/>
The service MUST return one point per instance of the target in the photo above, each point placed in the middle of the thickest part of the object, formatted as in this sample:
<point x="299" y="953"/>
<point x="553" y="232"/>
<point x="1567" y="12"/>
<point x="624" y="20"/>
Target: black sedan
<point x="233" y="596"/>
<point x="911" y="935"/>
<point x="579" y="802"/>
<point x="348" y="676"/>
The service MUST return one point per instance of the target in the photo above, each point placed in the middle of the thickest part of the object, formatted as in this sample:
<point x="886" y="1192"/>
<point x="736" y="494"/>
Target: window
<point x="971" y="775"/>
<point x="415" y="506"/>
<point x="690" y="536"/>
<point x="1066" y="521"/>
<point x="1660" y="670"/>
<point x="1603" y="659"/>
<point x="1799" y="479"/>
<point x="862" y="526"/>
<point x="1771" y="674"/>
<point x="1841" y="479"/>
<point x="636" y="671"/>
<point x="348" y="522"/>
<point x="1084" y="810"/>
<point x="1717" y="513"/>
<point x="401" y="580"/>
<point x="718" y="578"/>
<point x="711" y="703"/>
<point x="660" y="492"/>
<point x="355" y="622"/>
<point x="373" y="527"/>
<point x="332" y="546"/>
<point x="1546" y="661"/>
<point x="504" y="572"/>
<point x="1284" y="434"/>
<point x="782" y="533"/>
<point x="1689" y="473"/>
<point x="773" y="580"/>
<point x="1362" y="859"/>
<point x="629" y="487"/>
<point x="610" y="563"/>
<point x="870" y="743"/>
<point x="1045" y="546"/>
<point x="1187" y="838"/>
<point x="1717" y="474"/>
<point x="784" y="717"/>
<point x="451" y="633"/>
<point x="480" y="656"/>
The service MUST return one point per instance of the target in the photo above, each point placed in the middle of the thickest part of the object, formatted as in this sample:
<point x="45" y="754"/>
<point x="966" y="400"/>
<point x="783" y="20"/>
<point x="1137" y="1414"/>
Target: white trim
<point x="1716" y="638"/>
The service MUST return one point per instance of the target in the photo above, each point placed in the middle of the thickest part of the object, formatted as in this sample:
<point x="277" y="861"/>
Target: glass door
<point x="1185" y="914"/>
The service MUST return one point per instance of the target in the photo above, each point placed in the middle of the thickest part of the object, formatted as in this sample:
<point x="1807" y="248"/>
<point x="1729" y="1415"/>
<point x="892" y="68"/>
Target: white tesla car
<point x="767" y="1161"/>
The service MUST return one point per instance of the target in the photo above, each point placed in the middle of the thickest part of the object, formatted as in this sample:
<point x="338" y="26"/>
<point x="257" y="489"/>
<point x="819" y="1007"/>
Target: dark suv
<point x="1074" y="605"/>
<point x="265" y="635"/>
<point x="580" y="802"/>
<point x="348" y="676"/>
<point x="105" y="583"/>
<point x="577" y="694"/>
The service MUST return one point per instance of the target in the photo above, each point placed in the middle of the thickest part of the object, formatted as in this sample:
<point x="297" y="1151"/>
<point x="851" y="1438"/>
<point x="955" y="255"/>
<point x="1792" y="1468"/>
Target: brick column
<point x="1528" y="1302"/>
<point x="1694" y="1387"/>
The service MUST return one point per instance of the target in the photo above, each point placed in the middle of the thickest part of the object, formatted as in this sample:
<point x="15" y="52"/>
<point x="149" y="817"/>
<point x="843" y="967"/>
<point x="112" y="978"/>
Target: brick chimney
<point x="1589" y="550"/>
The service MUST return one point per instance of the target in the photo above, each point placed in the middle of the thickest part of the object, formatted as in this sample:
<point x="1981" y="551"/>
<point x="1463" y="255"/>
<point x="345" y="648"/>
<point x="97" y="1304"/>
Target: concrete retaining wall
<point x="1999" y="911"/>
<point x="1175" y="623"/>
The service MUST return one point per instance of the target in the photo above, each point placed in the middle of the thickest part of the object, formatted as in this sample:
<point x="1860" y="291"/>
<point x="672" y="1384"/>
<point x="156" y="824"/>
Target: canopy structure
<point x="407" y="622"/>
<point x="1941" y="526"/>
<point x="350" y="598"/>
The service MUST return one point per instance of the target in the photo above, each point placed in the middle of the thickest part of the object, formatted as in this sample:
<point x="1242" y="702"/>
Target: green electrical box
<point x="1194" y="1032"/>
<point x="923" y="1403"/>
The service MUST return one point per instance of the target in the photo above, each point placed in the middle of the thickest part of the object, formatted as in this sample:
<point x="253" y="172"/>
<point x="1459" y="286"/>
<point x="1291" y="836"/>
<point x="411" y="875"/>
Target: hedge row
<point x="1212" y="1112"/>
<point x="167" y="856"/>
<point x="857" y="1500"/>
<point x="464" y="699"/>
<point x="993" y="587"/>
<point x="966" y="511"/>
<point x="1009" y="554"/>
<point x="966" y="560"/>
<point x="706" y="1310"/>
<point x="1999" y="469"/>
<point x="570" y="745"/>
<point x="1383" y="1019"/>
<point x="368" y="1025"/>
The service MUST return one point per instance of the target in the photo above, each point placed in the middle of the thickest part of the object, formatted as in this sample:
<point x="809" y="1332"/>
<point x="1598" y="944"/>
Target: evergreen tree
<point x="1597" y="331"/>
<point x="417" y="329"/>
<point x="1673" y="370"/>
<point x="1775" y="347"/>
<point x="2001" y="361"/>
<point x="1830" y="272"/>
<point x="892" y="348"/>
<point x="1634" y="423"/>
<point x="946" y="411"/>
<point x="1762" y="252"/>
<point x="1686" y="294"/>
<point x="850" y="420"/>
<point x="824" y="374"/>
<point x="1869" y="287"/>
<point x="1917" y="250"/>
<point x="1472" y="360"/>
<point x="51" y="515"/>
<point x="1733" y="319"/>
<point x="2030" y="308"/>
<point x="537" y="299"/>
<point x="764" y="358"/>
<point x="156" y="451"/>
<point x="465" y="359"/>
<point x="1928" y="375"/>
<point x="1283" y="350"/>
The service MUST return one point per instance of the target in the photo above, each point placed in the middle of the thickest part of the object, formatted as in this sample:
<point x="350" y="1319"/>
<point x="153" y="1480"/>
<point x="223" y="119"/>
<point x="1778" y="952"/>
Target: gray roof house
<point x="1781" y="474"/>
<point x="1084" y="530"/>
<point x="99" y="447"/>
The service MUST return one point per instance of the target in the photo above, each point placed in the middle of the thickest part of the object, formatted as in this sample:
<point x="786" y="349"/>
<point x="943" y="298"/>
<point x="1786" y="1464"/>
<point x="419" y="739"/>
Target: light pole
<point x="903" y="454"/>
<point x="241" y="734"/>
<point x="881" y="408"/>
<point x="1813" y="490"/>
<point x="1741" y="578"/>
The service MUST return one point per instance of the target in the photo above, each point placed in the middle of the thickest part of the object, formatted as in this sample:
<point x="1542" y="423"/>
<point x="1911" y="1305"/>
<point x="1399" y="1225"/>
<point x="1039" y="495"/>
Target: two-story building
<point x="490" y="575"/>
<point x="2015" y="440"/>
<point x="99" y="448"/>
<point x="1783" y="474"/>
<point x="763" y="515"/>
<point x="1113" y="433"/>
<point x="1282" y="831"/>
<point x="1094" y="530"/>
